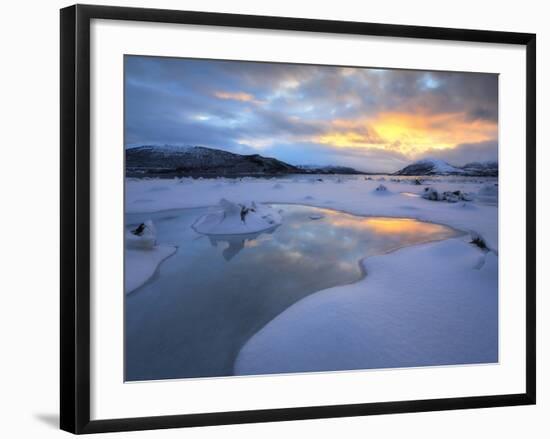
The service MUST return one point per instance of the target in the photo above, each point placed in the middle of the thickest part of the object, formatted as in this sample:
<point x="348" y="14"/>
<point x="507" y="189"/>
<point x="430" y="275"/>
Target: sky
<point x="372" y="119"/>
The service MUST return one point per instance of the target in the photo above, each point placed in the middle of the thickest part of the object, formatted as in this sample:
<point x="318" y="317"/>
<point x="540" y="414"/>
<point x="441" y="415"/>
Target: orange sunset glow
<point x="408" y="133"/>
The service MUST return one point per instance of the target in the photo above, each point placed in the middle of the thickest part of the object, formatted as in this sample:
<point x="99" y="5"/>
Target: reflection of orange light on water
<point x="402" y="226"/>
<point x="384" y="225"/>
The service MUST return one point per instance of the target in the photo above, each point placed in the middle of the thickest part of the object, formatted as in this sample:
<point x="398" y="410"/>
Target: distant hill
<point x="489" y="168"/>
<point x="199" y="161"/>
<point x="330" y="169"/>
<point x="441" y="167"/>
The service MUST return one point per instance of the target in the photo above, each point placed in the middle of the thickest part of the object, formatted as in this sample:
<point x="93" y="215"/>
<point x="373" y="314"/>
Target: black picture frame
<point x="75" y="217"/>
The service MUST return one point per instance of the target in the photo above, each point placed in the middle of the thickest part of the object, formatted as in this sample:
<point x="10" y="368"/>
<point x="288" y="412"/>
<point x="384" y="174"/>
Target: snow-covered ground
<point x="431" y="304"/>
<point x="352" y="194"/>
<point x="140" y="264"/>
<point x="143" y="255"/>
<point x="439" y="300"/>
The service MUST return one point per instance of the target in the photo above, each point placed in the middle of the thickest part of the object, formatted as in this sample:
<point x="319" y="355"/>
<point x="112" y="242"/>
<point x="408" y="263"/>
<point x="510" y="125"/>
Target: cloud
<point x="411" y="134"/>
<point x="469" y="152"/>
<point x="236" y="96"/>
<point x="358" y="158"/>
<point x="307" y="114"/>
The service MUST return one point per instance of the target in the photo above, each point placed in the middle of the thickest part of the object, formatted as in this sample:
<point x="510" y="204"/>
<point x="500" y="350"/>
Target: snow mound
<point x="143" y="255"/>
<point x="238" y="218"/>
<point x="381" y="190"/>
<point x="142" y="237"/>
<point x="432" y="194"/>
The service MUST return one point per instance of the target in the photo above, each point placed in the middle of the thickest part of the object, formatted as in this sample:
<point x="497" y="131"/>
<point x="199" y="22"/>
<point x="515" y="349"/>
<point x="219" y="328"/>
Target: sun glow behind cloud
<point x="409" y="133"/>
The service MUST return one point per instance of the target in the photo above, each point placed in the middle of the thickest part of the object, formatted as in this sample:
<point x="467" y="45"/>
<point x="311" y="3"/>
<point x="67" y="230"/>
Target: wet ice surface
<point x="207" y="300"/>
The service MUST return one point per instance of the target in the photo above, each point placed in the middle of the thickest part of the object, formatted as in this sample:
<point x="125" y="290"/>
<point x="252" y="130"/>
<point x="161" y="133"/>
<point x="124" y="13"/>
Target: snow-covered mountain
<point x="440" y="167"/>
<point x="429" y="167"/>
<point x="200" y="161"/>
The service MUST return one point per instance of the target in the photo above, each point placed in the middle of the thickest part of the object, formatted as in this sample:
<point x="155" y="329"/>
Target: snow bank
<point x="142" y="237"/>
<point x="143" y="255"/>
<point x="140" y="265"/>
<point x="238" y="218"/>
<point x="432" y="304"/>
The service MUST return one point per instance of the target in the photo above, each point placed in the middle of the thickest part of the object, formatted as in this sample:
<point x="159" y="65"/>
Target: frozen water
<point x="207" y="300"/>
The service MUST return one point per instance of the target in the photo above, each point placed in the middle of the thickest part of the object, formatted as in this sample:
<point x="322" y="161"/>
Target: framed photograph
<point x="267" y="219"/>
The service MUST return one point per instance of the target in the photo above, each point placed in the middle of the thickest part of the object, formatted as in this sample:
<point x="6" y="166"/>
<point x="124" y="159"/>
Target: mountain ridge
<point x="431" y="166"/>
<point x="201" y="161"/>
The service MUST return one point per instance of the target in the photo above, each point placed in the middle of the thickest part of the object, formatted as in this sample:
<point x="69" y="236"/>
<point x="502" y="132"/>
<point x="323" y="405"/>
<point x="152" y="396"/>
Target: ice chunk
<point x="143" y="237"/>
<point x="238" y="218"/>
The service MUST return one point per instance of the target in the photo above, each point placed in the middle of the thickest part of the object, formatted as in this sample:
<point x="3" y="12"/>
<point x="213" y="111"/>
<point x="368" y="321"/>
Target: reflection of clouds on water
<point x="339" y="237"/>
<point x="217" y="291"/>
<point x="298" y="243"/>
<point x="236" y="243"/>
